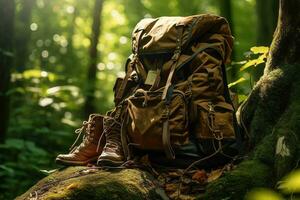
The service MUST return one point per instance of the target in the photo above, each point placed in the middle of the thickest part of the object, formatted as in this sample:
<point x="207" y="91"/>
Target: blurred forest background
<point x="59" y="60"/>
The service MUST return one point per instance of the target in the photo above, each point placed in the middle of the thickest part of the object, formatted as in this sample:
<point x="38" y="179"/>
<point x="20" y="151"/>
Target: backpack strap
<point x="166" y="138"/>
<point x="167" y="94"/>
<point x="129" y="70"/>
<point x="176" y="68"/>
<point x="132" y="62"/>
<point x="239" y="145"/>
<point x="135" y="48"/>
<point x="124" y="137"/>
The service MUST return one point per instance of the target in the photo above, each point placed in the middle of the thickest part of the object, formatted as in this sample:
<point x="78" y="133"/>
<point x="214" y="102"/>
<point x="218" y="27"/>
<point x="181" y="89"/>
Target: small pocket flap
<point x="224" y="105"/>
<point x="219" y="106"/>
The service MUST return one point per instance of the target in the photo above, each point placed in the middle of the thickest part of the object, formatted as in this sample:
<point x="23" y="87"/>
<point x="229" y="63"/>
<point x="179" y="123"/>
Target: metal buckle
<point x="218" y="135"/>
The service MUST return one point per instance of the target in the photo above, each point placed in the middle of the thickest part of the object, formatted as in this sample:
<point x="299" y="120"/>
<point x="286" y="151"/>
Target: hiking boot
<point x="90" y="147"/>
<point x="112" y="154"/>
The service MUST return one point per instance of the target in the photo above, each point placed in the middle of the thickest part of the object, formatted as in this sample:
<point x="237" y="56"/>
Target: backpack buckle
<point x="165" y="114"/>
<point x="176" y="54"/>
<point x="218" y="135"/>
<point x="211" y="108"/>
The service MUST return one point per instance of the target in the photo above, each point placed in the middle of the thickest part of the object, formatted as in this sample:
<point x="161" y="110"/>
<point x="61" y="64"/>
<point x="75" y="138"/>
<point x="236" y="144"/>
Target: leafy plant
<point x="256" y="56"/>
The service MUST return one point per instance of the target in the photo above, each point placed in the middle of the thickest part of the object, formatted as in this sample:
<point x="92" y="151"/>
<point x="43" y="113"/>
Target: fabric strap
<point x="176" y="68"/>
<point x="120" y="93"/>
<point x="167" y="140"/>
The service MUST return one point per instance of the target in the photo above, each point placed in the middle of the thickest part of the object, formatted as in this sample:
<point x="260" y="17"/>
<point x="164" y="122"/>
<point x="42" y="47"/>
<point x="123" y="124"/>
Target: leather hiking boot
<point x="90" y="147"/>
<point x="112" y="154"/>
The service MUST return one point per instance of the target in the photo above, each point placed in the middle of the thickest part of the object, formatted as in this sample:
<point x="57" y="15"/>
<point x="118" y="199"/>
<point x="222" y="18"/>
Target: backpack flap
<point x="160" y="35"/>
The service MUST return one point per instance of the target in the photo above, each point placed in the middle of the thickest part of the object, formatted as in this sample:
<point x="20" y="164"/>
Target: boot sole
<point x="109" y="163"/>
<point x="73" y="163"/>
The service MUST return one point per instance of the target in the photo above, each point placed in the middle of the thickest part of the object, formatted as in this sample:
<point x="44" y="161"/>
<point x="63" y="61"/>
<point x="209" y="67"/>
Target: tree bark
<point x="23" y="34"/>
<point x="7" y="11"/>
<point x="92" y="69"/>
<point x="270" y="115"/>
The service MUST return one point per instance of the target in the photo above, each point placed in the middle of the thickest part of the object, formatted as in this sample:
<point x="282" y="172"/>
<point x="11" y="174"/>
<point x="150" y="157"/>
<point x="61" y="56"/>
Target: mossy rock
<point x="93" y="183"/>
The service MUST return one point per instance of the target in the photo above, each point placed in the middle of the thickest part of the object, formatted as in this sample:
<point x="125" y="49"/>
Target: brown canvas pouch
<point x="147" y="113"/>
<point x="214" y="120"/>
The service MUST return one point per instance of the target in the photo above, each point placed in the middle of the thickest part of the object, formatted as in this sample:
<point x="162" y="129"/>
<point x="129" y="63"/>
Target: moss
<point x="271" y="105"/>
<point x="235" y="184"/>
<point x="97" y="184"/>
<point x="288" y="132"/>
<point x="265" y="151"/>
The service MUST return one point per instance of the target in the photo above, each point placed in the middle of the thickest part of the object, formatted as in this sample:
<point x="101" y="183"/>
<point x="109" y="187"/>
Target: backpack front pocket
<point x="148" y="113"/>
<point x="214" y="121"/>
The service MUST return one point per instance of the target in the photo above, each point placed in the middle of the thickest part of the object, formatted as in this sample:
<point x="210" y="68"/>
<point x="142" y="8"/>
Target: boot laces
<point x="113" y="139"/>
<point x="88" y="133"/>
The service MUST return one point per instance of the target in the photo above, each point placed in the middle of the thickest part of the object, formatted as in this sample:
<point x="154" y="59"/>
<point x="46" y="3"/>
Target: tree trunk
<point x="271" y="116"/>
<point x="92" y="70"/>
<point x="7" y="10"/>
<point x="23" y="33"/>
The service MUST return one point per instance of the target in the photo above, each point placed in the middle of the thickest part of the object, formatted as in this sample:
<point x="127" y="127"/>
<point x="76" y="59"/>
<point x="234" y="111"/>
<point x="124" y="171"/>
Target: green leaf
<point x="45" y="101"/>
<point x="57" y="89"/>
<point x="47" y="172"/>
<point x="260" y="50"/>
<point x="248" y="64"/>
<point x="6" y="170"/>
<point x="37" y="151"/>
<point x="291" y="183"/>
<point x="36" y="73"/>
<point x="242" y="97"/>
<point x="254" y="62"/>
<point x="14" y="144"/>
<point x="263" y="194"/>
<point x="260" y="59"/>
<point x="236" y="82"/>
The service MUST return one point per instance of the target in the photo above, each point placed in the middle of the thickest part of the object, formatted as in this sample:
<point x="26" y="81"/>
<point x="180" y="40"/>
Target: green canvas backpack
<point x="175" y="84"/>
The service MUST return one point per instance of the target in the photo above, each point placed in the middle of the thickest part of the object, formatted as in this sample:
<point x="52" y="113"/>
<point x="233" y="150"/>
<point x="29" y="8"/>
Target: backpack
<point x="175" y="84"/>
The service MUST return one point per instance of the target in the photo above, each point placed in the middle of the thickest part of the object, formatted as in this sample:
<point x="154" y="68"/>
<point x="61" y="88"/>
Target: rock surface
<point x="91" y="183"/>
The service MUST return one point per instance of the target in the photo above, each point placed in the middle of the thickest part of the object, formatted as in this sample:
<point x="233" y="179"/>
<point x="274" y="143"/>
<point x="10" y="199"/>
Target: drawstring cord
<point x="196" y="163"/>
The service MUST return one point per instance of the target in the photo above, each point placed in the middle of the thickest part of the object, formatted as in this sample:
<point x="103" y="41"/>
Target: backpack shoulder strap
<point x="175" y="68"/>
<point x="129" y="70"/>
<point x="239" y="145"/>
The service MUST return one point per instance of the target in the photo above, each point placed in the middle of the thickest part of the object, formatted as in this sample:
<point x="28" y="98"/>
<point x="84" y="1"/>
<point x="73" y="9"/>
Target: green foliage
<point x="289" y="186"/>
<point x="291" y="183"/>
<point x="262" y="52"/>
<point x="263" y="194"/>
<point x="257" y="56"/>
<point x="242" y="79"/>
